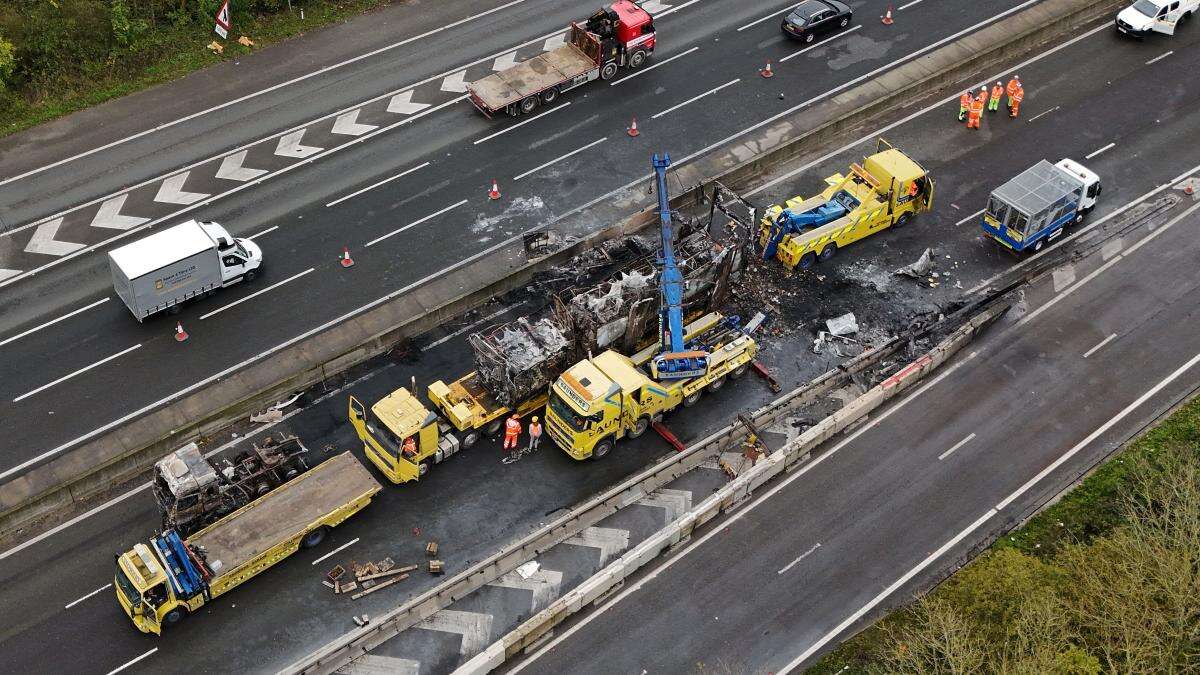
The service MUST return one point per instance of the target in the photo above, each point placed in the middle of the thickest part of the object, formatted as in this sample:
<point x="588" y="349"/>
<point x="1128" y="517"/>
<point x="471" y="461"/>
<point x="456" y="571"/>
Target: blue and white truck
<point x="1036" y="206"/>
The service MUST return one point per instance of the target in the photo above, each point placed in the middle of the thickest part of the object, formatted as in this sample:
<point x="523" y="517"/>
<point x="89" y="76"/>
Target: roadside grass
<point x="165" y="53"/>
<point x="1031" y="577"/>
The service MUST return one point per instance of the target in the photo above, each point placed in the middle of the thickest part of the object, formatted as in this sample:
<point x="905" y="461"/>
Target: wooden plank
<point x="389" y="573"/>
<point x="385" y="584"/>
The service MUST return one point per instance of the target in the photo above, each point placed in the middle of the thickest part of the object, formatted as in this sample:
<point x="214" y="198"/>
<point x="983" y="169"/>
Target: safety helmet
<point x="535" y="418"/>
<point x="984" y="88"/>
<point x="999" y="84"/>
<point x="516" y="416"/>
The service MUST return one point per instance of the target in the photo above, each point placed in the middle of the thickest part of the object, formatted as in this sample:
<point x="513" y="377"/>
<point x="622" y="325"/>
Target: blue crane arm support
<point x="671" y="285"/>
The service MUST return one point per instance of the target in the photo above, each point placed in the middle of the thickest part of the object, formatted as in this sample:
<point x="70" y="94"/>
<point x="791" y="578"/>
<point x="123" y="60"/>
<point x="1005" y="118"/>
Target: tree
<point x="8" y="62"/>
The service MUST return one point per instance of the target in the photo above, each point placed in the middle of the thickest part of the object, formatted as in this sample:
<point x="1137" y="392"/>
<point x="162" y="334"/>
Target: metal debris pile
<point x="517" y="358"/>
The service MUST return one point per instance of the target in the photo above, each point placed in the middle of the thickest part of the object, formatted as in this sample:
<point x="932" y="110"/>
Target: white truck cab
<point x="1089" y="179"/>
<point x="238" y="256"/>
<point x="1155" y="16"/>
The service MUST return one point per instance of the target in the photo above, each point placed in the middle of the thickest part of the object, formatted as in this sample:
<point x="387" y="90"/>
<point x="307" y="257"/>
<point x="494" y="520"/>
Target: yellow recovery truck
<point x="886" y="190"/>
<point x="160" y="583"/>
<point x="600" y="400"/>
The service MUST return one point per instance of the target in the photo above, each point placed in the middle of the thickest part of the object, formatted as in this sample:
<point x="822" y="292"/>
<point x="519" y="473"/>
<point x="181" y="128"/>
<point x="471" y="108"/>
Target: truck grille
<point x="558" y="434"/>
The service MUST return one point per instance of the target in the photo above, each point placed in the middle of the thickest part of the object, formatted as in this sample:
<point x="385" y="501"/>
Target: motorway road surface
<point x="473" y="504"/>
<point x="95" y="364"/>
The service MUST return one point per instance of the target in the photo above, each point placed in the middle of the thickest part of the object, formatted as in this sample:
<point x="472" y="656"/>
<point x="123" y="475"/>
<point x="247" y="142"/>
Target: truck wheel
<point x="739" y="371"/>
<point x="637" y="59"/>
<point x="902" y="220"/>
<point x="529" y="104"/>
<point x="808" y="260"/>
<point x="249" y="276"/>
<point x="175" y="616"/>
<point x="470" y="439"/>
<point x="262" y="489"/>
<point x="422" y="469"/>
<point x="314" y="537"/>
<point x="609" y="71"/>
<point x="828" y="252"/>
<point x="550" y="96"/>
<point x="1041" y="243"/>
<point x="691" y="399"/>
<point x="601" y="449"/>
<point x="493" y="428"/>
<point x="639" y="427"/>
<point x="716" y="384"/>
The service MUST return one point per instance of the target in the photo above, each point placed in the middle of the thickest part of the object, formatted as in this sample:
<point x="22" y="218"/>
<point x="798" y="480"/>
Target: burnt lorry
<point x="621" y="35"/>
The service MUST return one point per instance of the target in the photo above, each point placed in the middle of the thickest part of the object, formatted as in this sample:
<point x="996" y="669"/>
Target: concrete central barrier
<point x="127" y="447"/>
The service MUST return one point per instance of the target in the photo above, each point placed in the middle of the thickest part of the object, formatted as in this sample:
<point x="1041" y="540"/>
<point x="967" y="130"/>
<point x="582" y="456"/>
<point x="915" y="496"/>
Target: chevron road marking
<point x="7" y="274"/>
<point x="171" y="191"/>
<point x="609" y="540"/>
<point x="505" y="62"/>
<point x="454" y="83"/>
<point x="654" y="6"/>
<point x="674" y="502"/>
<point x="402" y="103"/>
<point x="109" y="216"/>
<point x="289" y="146"/>
<point x="371" y="664"/>
<point x="43" y="240"/>
<point x="232" y="169"/>
<point x="347" y="124"/>
<point x="475" y="628"/>
<point x="544" y="585"/>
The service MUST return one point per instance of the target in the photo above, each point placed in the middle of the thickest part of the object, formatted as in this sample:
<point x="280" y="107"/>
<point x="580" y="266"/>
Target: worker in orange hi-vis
<point x="983" y="96"/>
<point x="1017" y="97"/>
<point x="994" y="101"/>
<point x="974" y="114"/>
<point x="512" y="432"/>
<point x="1013" y="85"/>
<point x="410" y="447"/>
<point x="964" y="104"/>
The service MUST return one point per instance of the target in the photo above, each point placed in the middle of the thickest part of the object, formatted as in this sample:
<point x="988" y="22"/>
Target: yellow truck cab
<point x="886" y="190"/>
<point x="473" y="410"/>
<point x="602" y="399"/>
<point x="391" y="422"/>
<point x="141" y="587"/>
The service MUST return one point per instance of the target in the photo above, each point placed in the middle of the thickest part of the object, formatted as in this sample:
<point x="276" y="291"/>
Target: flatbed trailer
<point x="161" y="582"/>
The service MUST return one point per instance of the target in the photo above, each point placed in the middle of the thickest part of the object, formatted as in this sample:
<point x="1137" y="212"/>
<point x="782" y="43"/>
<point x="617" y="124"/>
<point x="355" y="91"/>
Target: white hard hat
<point x="999" y="84"/>
<point x="983" y="88"/>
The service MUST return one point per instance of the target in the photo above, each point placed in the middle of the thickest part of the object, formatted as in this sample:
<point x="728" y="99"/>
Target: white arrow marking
<point x="347" y="125"/>
<point x="232" y="169"/>
<point x="554" y="43"/>
<point x="505" y="62"/>
<point x="5" y="274"/>
<point x="654" y="6"/>
<point x="289" y="146"/>
<point x="454" y="83"/>
<point x="172" y="191"/>
<point x="43" y="240"/>
<point x="402" y="103"/>
<point x="109" y="215"/>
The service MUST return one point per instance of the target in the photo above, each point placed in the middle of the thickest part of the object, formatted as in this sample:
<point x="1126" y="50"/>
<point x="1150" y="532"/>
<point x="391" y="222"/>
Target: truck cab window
<point x="232" y="261"/>
<point x="155" y="595"/>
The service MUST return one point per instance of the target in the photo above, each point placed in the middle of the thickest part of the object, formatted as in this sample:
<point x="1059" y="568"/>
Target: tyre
<point x="1041" y="243"/>
<point x="639" y="427"/>
<point x="262" y="489"/>
<point x="314" y="537"/>
<point x="602" y="448"/>
<point x="530" y="104"/>
<point x="902" y="220"/>
<point x="808" y="260"/>
<point x="692" y="398"/>
<point x="808" y="37"/>
<point x="608" y="71"/>
<point x="549" y="96"/>
<point x="470" y="439"/>
<point x="637" y="59"/>
<point x="175" y="616"/>
<point x="828" y="252"/>
<point x="739" y="371"/>
<point x="249" y="276"/>
<point x="422" y="469"/>
<point x="716" y="384"/>
<point x="492" y="428"/>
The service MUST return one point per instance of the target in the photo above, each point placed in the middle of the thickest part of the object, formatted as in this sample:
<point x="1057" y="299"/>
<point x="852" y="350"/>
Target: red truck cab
<point x="626" y="31"/>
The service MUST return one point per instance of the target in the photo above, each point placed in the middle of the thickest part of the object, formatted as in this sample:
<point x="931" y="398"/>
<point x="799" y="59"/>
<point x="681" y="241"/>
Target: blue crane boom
<point x="675" y="361"/>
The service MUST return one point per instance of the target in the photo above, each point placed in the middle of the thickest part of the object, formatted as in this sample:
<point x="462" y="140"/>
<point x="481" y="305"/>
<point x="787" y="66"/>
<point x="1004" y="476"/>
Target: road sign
<point x="222" y="27"/>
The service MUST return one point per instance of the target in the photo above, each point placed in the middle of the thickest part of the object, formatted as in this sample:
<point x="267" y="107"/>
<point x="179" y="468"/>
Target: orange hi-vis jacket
<point x="512" y="428"/>
<point x="976" y="107"/>
<point x="964" y="101"/>
<point x="1013" y="85"/>
<point x="997" y="91"/>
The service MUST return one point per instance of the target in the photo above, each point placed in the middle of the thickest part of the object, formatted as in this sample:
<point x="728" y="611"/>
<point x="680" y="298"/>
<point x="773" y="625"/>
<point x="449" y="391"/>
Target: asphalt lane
<point x="311" y="234"/>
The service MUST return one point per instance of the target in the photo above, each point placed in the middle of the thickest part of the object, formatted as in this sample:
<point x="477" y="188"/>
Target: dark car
<point x="814" y="18"/>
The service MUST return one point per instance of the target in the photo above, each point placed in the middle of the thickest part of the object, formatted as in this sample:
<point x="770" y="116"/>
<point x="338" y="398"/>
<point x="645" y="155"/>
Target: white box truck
<point x="186" y="261"/>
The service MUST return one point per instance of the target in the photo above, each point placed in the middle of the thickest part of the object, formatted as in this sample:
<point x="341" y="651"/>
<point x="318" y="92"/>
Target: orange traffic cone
<point x="1188" y="189"/>
<point x="494" y="193"/>
<point x="766" y="72"/>
<point x="633" y="130"/>
<point x="180" y="334"/>
<point x="346" y="260"/>
<point x="887" y="18"/>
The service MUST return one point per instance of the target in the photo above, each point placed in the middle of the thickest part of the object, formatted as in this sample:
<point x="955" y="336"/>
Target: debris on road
<point x="379" y="586"/>
<point x="919" y="269"/>
<point x="437" y="567"/>
<point x="268" y="416"/>
<point x="843" y="325"/>
<point x="431" y="549"/>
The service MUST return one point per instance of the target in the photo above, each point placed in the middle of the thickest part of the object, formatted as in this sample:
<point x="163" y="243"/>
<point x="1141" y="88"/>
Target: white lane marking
<point x="255" y="294"/>
<point x="416" y="222"/>
<point x="337" y="550"/>
<point x="290" y="146"/>
<point x="973" y="216"/>
<point x="53" y="321"/>
<point x="71" y="604"/>
<point x="402" y="104"/>
<point x="656" y="64"/>
<point x="802" y="557"/>
<point x="375" y="185"/>
<point x="693" y="99"/>
<point x="460" y="331"/>
<point x="231" y="168"/>
<point x="521" y="124"/>
<point x="1099" y="431"/>
<point x="1103" y="342"/>
<point x="82" y="370"/>
<point x="554" y="42"/>
<point x="956" y="446"/>
<point x="559" y="159"/>
<point x="737" y="515"/>
<point x="455" y="83"/>
<point x="1159" y="57"/>
<point x="43" y="240"/>
<point x="109" y="215"/>
<point x="929" y="560"/>
<point x="347" y="124"/>
<point x="1097" y="152"/>
<point x="1078" y="284"/>
<point x="1063" y="277"/>
<point x="909" y="4"/>
<point x="171" y="191"/>
<point x="773" y="14"/>
<point x="1044" y="112"/>
<point x="822" y="43"/>
<point x="266" y="231"/>
<point x="281" y="85"/>
<point x="130" y="663"/>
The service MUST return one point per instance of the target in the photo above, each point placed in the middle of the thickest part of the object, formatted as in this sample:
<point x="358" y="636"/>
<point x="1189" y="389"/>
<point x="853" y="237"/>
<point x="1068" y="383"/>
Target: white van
<point x="1155" y="16"/>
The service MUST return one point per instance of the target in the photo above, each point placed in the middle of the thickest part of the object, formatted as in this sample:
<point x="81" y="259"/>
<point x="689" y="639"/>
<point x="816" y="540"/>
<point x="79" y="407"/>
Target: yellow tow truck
<point x="161" y="582"/>
<point x="886" y="190"/>
<point x="387" y="425"/>
<point x="600" y="400"/>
